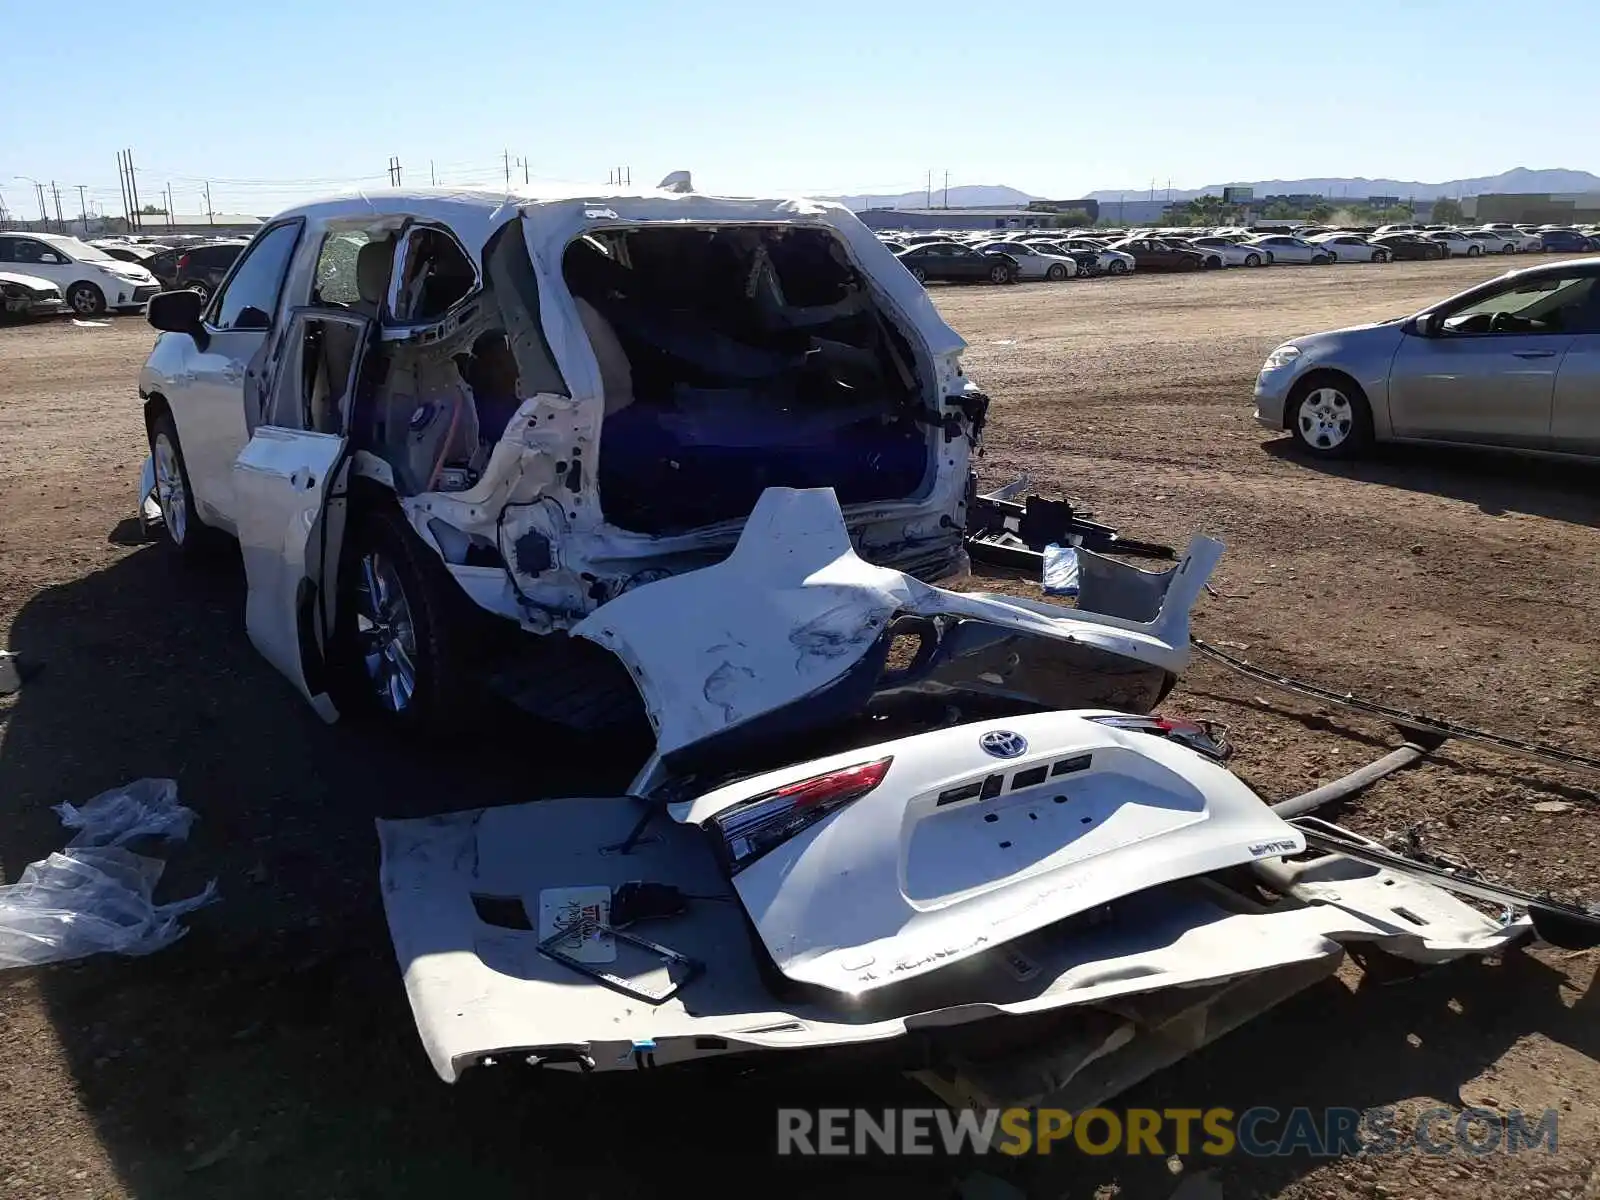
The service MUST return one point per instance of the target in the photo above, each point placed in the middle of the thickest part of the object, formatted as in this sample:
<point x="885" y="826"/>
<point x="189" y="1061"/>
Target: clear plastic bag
<point x="1060" y="570"/>
<point x="95" y="895"/>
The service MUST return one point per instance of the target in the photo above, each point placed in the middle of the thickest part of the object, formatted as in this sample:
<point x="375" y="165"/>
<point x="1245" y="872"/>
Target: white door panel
<point x="281" y="479"/>
<point x="210" y="416"/>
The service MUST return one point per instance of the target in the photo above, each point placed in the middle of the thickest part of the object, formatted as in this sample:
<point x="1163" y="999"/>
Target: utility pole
<point x="122" y="183"/>
<point x="44" y="213"/>
<point x="524" y="170"/>
<point x="433" y="180"/>
<point x="947" y="188"/>
<point x="61" y="225"/>
<point x="394" y="170"/>
<point x="1152" y="190"/>
<point x="133" y="188"/>
<point x="930" y="190"/>
<point x="170" y="219"/>
<point x="506" y="154"/>
<point x="211" y="217"/>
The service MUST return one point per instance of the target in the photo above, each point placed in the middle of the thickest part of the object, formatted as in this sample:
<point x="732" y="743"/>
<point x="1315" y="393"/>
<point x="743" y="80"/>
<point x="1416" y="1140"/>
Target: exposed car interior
<point x="732" y="359"/>
<point x="739" y="358"/>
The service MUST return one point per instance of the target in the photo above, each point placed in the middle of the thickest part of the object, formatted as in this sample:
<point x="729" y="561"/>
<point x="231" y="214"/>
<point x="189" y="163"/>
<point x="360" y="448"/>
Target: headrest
<point x="373" y="264"/>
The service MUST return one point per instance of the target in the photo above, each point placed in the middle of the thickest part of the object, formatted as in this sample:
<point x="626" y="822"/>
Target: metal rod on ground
<point x="1349" y="785"/>
<point x="1411" y="722"/>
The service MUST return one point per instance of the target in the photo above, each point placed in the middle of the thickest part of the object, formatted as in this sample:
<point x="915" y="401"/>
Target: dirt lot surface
<point x="271" y="1053"/>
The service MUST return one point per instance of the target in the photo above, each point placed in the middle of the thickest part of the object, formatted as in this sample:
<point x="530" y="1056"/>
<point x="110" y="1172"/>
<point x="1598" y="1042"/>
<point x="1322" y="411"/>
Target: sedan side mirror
<point x="176" y="312"/>
<point x="1426" y="325"/>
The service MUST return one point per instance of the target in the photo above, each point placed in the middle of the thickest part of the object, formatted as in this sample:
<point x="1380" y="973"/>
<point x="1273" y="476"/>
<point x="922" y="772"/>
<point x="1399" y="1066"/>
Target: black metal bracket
<point x="1014" y="533"/>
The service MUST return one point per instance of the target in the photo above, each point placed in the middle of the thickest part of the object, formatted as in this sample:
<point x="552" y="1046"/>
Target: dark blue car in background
<point x="1567" y="241"/>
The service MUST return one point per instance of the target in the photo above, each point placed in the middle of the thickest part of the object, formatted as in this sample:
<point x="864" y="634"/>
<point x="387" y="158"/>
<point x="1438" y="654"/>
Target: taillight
<point x="752" y="827"/>
<point x="1200" y="736"/>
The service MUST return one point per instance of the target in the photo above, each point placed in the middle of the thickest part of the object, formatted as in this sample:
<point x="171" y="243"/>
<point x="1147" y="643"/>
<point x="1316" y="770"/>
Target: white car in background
<point x="1496" y="241"/>
<point x="90" y="280"/>
<point x="1456" y="244"/>
<point x="1032" y="263"/>
<point x="1351" y="247"/>
<point x="28" y="296"/>
<point x="1287" y="249"/>
<point x="1112" y="262"/>
<point x="1232" y="253"/>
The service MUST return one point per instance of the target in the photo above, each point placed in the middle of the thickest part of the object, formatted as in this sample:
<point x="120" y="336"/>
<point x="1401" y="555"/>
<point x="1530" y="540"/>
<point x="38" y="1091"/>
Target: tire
<point x="919" y="275"/>
<point x="86" y="299"/>
<point x="1508" y="248"/>
<point x="1214" y="264"/>
<point x="200" y="288"/>
<point x="1000" y="273"/>
<point x="1474" y="251"/>
<point x="1380" y="256"/>
<point x="1333" y="256"/>
<point x="1329" y="416"/>
<point x="405" y="669"/>
<point x="1321" y="260"/>
<point x="1056" y="272"/>
<point x="1118" y="267"/>
<point x="1252" y="260"/>
<point x="182" y="530"/>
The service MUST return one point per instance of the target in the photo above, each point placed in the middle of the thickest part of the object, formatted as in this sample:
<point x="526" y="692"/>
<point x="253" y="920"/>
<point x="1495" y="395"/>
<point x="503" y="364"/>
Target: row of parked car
<point x="958" y="257"/>
<point x="46" y="273"/>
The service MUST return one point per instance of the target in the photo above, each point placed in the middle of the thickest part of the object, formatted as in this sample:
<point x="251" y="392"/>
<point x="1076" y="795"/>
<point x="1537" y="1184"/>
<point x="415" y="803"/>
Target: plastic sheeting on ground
<point x="96" y="895"/>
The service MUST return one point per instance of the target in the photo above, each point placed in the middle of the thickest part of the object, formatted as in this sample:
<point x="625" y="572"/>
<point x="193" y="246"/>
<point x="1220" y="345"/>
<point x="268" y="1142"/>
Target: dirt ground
<point x="271" y="1053"/>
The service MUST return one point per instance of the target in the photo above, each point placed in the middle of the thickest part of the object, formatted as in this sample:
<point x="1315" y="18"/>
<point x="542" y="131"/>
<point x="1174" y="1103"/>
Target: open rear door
<point x="290" y="483"/>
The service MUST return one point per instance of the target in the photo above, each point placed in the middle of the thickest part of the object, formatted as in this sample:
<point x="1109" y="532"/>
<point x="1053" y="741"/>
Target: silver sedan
<point x="1514" y="362"/>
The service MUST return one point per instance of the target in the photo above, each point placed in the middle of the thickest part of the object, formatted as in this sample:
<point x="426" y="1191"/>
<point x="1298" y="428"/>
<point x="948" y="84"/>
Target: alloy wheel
<point x="171" y="495"/>
<point x="386" y="633"/>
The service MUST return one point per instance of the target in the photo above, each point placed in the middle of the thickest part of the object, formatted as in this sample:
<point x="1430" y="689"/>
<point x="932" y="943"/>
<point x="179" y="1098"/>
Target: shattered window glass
<point x="336" y="268"/>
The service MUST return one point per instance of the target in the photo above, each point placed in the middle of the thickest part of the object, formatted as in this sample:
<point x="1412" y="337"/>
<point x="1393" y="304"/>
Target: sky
<point x="278" y="103"/>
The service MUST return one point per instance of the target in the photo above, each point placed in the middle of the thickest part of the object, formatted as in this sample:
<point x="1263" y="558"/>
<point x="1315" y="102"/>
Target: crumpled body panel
<point x="793" y="609"/>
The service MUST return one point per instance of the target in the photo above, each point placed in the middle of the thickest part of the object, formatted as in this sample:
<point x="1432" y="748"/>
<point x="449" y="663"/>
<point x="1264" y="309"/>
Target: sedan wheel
<point x="1056" y="271"/>
<point x="1509" y="249"/>
<point x="1380" y="256"/>
<point x="998" y="274"/>
<point x="1252" y="260"/>
<point x="919" y="275"/>
<point x="199" y="288"/>
<point x="1118" y="267"/>
<point x="1330" y="418"/>
<point x="1473" y="251"/>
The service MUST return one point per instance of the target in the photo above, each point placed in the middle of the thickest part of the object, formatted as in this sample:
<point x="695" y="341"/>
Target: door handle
<point x="1534" y="353"/>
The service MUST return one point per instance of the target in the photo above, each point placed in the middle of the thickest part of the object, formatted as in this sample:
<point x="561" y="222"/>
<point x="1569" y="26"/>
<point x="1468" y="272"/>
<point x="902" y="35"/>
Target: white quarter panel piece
<point x="793" y="608"/>
<point x="282" y="480"/>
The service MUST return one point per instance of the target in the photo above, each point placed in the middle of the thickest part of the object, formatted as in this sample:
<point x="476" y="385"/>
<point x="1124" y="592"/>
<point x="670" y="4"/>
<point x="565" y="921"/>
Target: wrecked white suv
<point x="401" y="401"/>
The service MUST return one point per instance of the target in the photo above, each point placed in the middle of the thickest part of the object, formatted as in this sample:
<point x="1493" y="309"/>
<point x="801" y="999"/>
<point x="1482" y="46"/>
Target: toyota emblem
<point x="1002" y="743"/>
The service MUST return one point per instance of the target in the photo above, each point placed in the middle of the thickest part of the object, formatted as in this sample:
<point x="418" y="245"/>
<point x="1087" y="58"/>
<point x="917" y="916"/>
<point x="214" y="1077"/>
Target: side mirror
<point x="176" y="312"/>
<point x="1426" y="325"/>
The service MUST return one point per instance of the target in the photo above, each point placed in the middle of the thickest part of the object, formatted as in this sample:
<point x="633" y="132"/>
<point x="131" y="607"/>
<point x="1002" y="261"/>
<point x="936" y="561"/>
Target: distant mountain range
<point x="1520" y="179"/>
<point x="967" y="195"/>
<point x="987" y="195"/>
